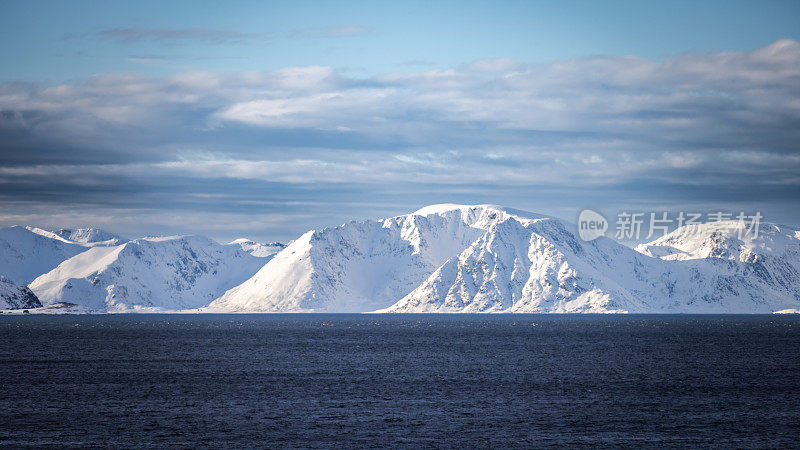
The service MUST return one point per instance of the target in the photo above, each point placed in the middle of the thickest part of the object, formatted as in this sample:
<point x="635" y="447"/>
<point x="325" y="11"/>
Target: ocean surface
<point x="399" y="381"/>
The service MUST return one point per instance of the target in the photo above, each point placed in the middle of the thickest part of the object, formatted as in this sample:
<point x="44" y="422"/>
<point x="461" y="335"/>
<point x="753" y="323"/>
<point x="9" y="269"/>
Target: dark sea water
<point x="399" y="381"/>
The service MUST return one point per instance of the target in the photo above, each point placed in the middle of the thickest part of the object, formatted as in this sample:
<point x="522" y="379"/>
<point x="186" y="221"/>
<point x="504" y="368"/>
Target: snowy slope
<point x="732" y="270"/>
<point x="16" y="297"/>
<point x="362" y="266"/>
<point x="169" y="273"/>
<point x="89" y="235"/>
<point x="542" y="267"/>
<point x="258" y="249"/>
<point x="533" y="266"/>
<point x="25" y="254"/>
<point x="441" y="258"/>
<point x="454" y="258"/>
<point x="725" y="240"/>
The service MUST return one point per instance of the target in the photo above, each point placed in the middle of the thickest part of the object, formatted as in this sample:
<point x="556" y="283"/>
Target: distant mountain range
<point x="442" y="258"/>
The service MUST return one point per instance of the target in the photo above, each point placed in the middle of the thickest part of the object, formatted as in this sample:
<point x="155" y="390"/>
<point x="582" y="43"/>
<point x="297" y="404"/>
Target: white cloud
<point x="705" y="120"/>
<point x="693" y="94"/>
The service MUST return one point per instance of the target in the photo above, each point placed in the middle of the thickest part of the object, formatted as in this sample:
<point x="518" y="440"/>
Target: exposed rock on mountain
<point x="16" y="297"/>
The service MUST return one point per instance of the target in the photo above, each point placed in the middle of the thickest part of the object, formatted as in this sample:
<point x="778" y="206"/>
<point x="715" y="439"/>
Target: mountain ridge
<point x="361" y="265"/>
<point x="440" y="258"/>
<point x="171" y="273"/>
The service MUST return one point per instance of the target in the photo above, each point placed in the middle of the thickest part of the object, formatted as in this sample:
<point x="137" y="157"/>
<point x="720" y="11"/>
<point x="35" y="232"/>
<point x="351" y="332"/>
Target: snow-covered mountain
<point x="26" y="254"/>
<point x="258" y="249"/>
<point x="540" y="266"/>
<point x="733" y="270"/>
<point x="89" y="235"/>
<point x="362" y="266"/>
<point x="729" y="240"/>
<point x="16" y="297"/>
<point x="534" y="265"/>
<point x="484" y="258"/>
<point x="169" y="273"/>
<point x="442" y="258"/>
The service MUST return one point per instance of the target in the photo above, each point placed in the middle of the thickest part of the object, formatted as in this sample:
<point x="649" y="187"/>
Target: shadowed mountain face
<point x="16" y="297"/>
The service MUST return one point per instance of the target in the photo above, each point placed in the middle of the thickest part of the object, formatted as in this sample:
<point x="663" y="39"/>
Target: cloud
<point x="712" y="129"/>
<point x="168" y="35"/>
<point x="173" y="36"/>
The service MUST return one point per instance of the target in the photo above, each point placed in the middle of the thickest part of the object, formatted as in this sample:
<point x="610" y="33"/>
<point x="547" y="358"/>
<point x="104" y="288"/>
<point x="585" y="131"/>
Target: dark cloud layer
<point x="307" y="145"/>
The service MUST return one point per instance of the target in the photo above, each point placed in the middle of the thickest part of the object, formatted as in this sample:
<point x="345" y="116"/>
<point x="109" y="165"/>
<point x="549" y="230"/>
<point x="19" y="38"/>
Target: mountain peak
<point x="79" y="235"/>
<point x="88" y="235"/>
<point x="444" y="208"/>
<point x="256" y="248"/>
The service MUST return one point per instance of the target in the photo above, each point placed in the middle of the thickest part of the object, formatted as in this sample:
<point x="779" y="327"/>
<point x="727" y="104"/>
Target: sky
<point x="266" y="119"/>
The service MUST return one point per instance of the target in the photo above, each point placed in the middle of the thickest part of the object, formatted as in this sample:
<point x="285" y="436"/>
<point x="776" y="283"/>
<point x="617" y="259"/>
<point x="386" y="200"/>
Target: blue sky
<point x="58" y="41"/>
<point x="265" y="119"/>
